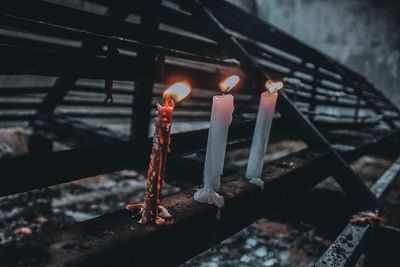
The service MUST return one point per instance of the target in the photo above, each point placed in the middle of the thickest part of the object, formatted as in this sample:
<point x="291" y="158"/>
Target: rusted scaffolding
<point x="203" y="41"/>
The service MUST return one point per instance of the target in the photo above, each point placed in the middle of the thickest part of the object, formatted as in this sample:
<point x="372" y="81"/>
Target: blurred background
<point x="363" y="35"/>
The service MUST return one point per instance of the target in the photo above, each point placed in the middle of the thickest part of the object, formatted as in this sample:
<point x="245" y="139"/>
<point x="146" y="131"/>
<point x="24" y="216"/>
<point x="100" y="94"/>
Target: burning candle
<point x="221" y="117"/>
<point x="261" y="132"/>
<point x="151" y="210"/>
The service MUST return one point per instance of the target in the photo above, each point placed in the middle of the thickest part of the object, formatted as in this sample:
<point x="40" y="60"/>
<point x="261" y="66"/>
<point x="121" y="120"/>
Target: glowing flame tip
<point x="178" y="91"/>
<point x="273" y="86"/>
<point x="226" y="85"/>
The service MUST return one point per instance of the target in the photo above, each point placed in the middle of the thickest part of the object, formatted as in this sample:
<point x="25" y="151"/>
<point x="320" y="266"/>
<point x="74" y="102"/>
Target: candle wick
<point x="169" y="101"/>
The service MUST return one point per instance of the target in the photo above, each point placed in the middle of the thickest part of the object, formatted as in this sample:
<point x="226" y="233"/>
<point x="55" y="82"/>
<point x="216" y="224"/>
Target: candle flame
<point x="273" y="86"/>
<point x="226" y="85"/>
<point x="178" y="91"/>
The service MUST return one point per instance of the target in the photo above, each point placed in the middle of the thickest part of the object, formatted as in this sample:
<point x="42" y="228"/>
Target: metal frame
<point x="354" y="240"/>
<point x="116" y="239"/>
<point x="222" y="38"/>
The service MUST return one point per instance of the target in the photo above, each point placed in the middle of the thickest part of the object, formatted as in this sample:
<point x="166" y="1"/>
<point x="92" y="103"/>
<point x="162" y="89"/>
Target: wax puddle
<point x="258" y="182"/>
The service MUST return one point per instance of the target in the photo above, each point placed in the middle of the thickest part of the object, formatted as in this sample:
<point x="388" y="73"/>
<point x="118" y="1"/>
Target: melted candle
<point x="262" y="132"/>
<point x="221" y="118"/>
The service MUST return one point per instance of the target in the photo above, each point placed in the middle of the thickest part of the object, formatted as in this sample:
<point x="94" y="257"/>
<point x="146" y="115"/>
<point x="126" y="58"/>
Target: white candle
<point x="221" y="117"/>
<point x="262" y="132"/>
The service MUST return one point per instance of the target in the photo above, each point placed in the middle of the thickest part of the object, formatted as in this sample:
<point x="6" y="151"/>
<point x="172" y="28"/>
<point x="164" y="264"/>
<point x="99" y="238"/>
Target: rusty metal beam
<point x="118" y="240"/>
<point x="108" y="153"/>
<point x="39" y="27"/>
<point x="143" y="92"/>
<point x="352" y="241"/>
<point x="98" y="156"/>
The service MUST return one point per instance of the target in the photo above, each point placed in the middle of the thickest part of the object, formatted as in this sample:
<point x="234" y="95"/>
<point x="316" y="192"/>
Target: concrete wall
<point x="363" y="34"/>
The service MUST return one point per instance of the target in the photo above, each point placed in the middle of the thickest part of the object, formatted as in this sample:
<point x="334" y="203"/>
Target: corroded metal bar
<point x="142" y="95"/>
<point x="97" y="157"/>
<point x="117" y="240"/>
<point x="347" y="248"/>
